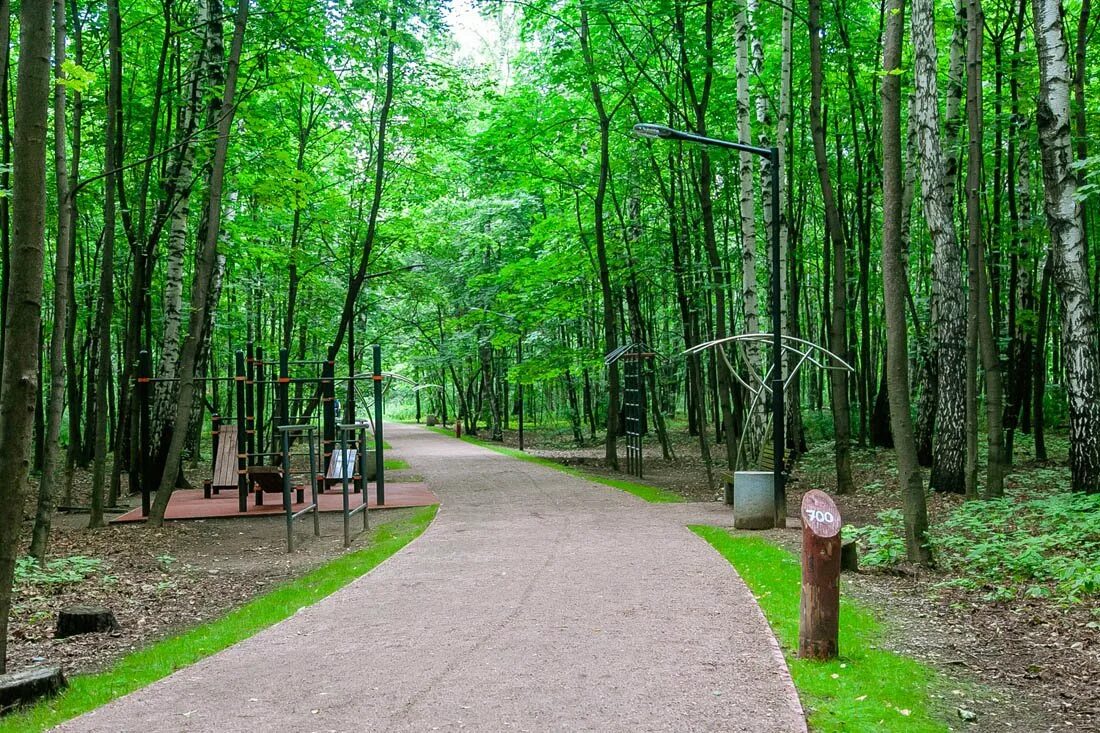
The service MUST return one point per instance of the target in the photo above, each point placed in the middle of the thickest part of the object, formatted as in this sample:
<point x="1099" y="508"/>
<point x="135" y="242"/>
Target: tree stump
<point x="28" y="685"/>
<point x="819" y="609"/>
<point x="84" y="620"/>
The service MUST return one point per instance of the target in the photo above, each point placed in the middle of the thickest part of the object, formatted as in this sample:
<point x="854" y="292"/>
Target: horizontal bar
<point x="307" y="510"/>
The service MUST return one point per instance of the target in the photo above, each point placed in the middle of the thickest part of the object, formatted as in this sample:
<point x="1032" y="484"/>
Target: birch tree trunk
<point x="1070" y="271"/>
<point x="19" y="384"/>
<point x="201" y="76"/>
<point x="204" y="271"/>
<point x="788" y="316"/>
<point x="949" y="313"/>
<point x="749" y="285"/>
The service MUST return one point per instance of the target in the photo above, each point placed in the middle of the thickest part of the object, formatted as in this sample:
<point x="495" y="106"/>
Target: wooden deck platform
<point x="189" y="504"/>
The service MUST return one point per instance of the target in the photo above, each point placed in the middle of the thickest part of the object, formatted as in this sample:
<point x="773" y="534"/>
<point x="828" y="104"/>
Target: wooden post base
<point x="819" y="610"/>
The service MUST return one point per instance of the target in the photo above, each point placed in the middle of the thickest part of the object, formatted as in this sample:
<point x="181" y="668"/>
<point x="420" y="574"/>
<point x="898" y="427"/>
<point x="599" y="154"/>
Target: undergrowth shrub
<point x="62" y="571"/>
<point x="1037" y="547"/>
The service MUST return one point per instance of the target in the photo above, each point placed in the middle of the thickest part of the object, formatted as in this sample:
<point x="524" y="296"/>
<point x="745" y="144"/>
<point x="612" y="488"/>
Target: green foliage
<point x="882" y="544"/>
<point x="143" y="667"/>
<point x="1048" y="546"/>
<point x="75" y="76"/>
<point x="1044" y="547"/>
<point x="867" y="688"/>
<point x="62" y="571"/>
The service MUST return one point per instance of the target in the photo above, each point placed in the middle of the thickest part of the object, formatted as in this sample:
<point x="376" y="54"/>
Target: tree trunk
<point x="1064" y="219"/>
<point x="202" y="81"/>
<point x="51" y="472"/>
<point x="987" y="344"/>
<point x="19" y="383"/>
<point x="754" y="424"/>
<point x="204" y="271"/>
<point x="611" y="456"/>
<point x="105" y="314"/>
<point x="894" y="291"/>
<point x="71" y="364"/>
<point x="838" y="339"/>
<point x="949" y="314"/>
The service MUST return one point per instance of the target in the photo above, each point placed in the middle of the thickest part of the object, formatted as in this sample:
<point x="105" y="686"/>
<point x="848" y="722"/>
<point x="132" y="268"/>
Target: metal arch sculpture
<point x="807" y="351"/>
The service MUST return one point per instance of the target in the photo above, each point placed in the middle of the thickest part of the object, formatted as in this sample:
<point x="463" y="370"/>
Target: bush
<point x="1047" y="547"/>
<point x="62" y="571"/>
<point x="880" y="545"/>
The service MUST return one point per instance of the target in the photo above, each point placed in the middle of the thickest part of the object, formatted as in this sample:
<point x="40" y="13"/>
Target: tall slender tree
<point x="1064" y="218"/>
<point x="23" y="317"/>
<point x="949" y="313"/>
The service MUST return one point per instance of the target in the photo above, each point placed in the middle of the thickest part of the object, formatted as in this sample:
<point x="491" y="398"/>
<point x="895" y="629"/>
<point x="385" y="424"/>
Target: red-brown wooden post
<point x="819" y="611"/>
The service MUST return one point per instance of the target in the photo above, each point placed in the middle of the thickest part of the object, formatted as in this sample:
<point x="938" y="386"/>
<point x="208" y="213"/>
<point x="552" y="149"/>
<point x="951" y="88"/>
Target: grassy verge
<point x="867" y="688"/>
<point x="148" y="665"/>
<point x="395" y="464"/>
<point x="652" y="494"/>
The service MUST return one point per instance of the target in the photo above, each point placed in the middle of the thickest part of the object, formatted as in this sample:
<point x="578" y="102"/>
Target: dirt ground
<point x="162" y="581"/>
<point x="1029" y="666"/>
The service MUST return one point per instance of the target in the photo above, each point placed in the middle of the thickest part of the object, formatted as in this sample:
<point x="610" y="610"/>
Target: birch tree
<point x="949" y="312"/>
<point x="1064" y="219"/>
<point x="176" y="207"/>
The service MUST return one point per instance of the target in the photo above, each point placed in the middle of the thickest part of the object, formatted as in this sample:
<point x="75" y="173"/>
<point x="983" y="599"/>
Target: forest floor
<point x="158" y="581"/>
<point x="1036" y="661"/>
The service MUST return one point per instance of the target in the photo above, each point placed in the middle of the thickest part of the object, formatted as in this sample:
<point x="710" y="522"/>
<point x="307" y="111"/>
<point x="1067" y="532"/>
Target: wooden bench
<point x="225" y="463"/>
<point x="337" y="466"/>
<point x="269" y="480"/>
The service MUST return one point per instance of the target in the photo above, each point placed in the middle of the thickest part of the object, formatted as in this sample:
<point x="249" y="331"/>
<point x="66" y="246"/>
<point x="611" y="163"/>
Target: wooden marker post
<point x="819" y="611"/>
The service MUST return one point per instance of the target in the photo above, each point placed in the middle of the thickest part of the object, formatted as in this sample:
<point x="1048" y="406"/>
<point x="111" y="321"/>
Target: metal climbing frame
<point x="634" y="401"/>
<point x="633" y="412"/>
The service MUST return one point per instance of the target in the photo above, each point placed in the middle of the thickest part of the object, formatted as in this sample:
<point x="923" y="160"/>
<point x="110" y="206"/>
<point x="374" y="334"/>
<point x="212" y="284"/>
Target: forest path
<point x="536" y="600"/>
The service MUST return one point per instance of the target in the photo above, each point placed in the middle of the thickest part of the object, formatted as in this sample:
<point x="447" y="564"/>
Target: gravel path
<point x="535" y="601"/>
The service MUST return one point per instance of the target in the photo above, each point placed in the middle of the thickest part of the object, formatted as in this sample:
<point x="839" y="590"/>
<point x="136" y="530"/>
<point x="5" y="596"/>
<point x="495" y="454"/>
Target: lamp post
<point x="662" y="132"/>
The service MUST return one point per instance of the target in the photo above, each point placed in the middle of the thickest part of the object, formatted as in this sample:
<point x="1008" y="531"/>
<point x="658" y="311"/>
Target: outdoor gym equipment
<point x="307" y="433"/>
<point x="346" y="478"/>
<point x="246" y="450"/>
<point x="634" y="400"/>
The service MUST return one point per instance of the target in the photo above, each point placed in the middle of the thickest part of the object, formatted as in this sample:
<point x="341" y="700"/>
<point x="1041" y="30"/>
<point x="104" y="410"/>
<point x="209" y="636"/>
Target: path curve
<point x="535" y="601"/>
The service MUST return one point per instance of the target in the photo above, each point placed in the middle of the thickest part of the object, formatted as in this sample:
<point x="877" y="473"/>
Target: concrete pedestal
<point x="753" y="500"/>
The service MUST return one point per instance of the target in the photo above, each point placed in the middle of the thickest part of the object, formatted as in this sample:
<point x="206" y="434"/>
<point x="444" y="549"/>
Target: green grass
<point x="148" y="665"/>
<point x="395" y="464"/>
<point x="652" y="494"/>
<point x="867" y="688"/>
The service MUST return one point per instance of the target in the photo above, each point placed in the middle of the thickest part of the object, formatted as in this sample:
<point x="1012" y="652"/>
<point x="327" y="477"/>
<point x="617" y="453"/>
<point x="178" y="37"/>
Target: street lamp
<point x="662" y="132"/>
